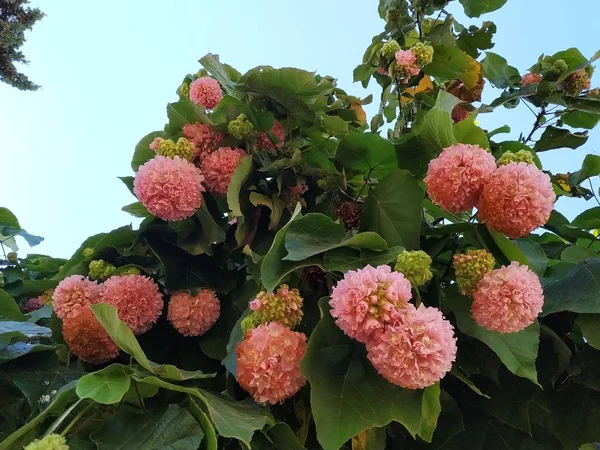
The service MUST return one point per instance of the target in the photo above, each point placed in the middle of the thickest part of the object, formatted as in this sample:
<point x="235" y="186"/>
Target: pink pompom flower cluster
<point x="456" y="177"/>
<point x="406" y="65"/>
<point x="410" y="347"/>
<point x="206" y="92"/>
<point x="517" y="199"/>
<point x="75" y="293"/>
<point x="218" y="168"/>
<point x="204" y="136"/>
<point x="193" y="315"/>
<point x="531" y="78"/>
<point x="417" y="351"/>
<point x="366" y="300"/>
<point x="268" y="362"/>
<point x="136" y="299"/>
<point x="508" y="299"/>
<point x="171" y="189"/>
<point x="514" y="199"/>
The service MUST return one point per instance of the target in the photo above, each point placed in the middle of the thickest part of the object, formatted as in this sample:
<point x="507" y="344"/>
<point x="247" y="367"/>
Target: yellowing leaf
<point x="472" y="75"/>
<point x="425" y="85"/>
<point x="361" y="115"/>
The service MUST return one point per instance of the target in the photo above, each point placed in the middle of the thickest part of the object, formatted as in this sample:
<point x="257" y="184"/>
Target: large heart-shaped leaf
<point x="393" y="210"/>
<point x="106" y="386"/>
<point x="172" y="427"/>
<point x="577" y="291"/>
<point x="317" y="233"/>
<point x="362" y="154"/>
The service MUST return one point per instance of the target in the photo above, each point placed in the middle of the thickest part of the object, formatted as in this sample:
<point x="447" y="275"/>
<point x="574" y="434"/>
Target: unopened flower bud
<point x="470" y="268"/>
<point x="415" y="266"/>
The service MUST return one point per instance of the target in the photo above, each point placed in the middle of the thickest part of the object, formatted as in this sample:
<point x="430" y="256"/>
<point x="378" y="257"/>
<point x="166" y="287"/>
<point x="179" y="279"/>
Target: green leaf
<point x="106" y="386"/>
<point x="498" y="72"/>
<point x="347" y="394"/>
<point x="580" y="119"/>
<point x="183" y="112"/>
<point x="143" y="153"/>
<point x="511" y="97"/>
<point x="239" y="177"/>
<point x="136" y="210"/>
<point x="8" y="219"/>
<point x="466" y="132"/>
<point x="589" y="168"/>
<point x="473" y="39"/>
<point x="518" y="351"/>
<point x="475" y="8"/>
<point x="207" y="426"/>
<point x="233" y="419"/>
<point x="577" y="291"/>
<point x="587" y="104"/>
<point x="435" y="130"/>
<point x="9" y="308"/>
<point x="273" y="268"/>
<point x="553" y="138"/>
<point x="590" y="328"/>
<point x="431" y="408"/>
<point x="363" y="72"/>
<point x="293" y="89"/>
<point x="226" y="75"/>
<point x="169" y="428"/>
<point x="345" y="259"/>
<point x="316" y="233"/>
<point x="523" y="251"/>
<point x="275" y="204"/>
<point x="449" y="62"/>
<point x="360" y="154"/>
<point x="393" y="210"/>
<point x="122" y="335"/>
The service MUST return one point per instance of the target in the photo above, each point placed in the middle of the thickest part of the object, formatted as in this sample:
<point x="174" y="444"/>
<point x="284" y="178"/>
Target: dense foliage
<point x="300" y="281"/>
<point x="15" y="19"/>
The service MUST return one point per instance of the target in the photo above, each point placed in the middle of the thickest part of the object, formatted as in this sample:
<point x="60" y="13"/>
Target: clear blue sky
<point x="109" y="68"/>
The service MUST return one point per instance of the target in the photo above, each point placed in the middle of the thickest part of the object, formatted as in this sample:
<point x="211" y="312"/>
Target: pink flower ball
<point x="73" y="293"/>
<point x="193" y="316"/>
<point x="218" y="168"/>
<point x="417" y="351"/>
<point x="508" y="299"/>
<point x="406" y="64"/>
<point x="206" y="92"/>
<point x="205" y="137"/>
<point x="136" y="299"/>
<point x="531" y="78"/>
<point x="169" y="188"/>
<point x="33" y="304"/>
<point x="367" y="300"/>
<point x="517" y="199"/>
<point x="456" y="177"/>
<point x="263" y="141"/>
<point x="268" y="363"/>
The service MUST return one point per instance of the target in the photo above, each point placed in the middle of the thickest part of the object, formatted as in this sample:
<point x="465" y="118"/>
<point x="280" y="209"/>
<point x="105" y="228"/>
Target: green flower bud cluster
<point x="50" y="442"/>
<point x="100" y="270"/>
<point x="12" y="257"/>
<point x="520" y="156"/>
<point x="423" y="52"/>
<point x="249" y="322"/>
<point x="2" y="281"/>
<point x="470" y="268"/>
<point x="184" y="90"/>
<point x="283" y="306"/>
<point x="183" y="148"/>
<point x="240" y="127"/>
<point x="559" y="67"/>
<point x="393" y="15"/>
<point x="415" y="266"/>
<point x="46" y="297"/>
<point x="389" y="49"/>
<point x="130" y="271"/>
<point x="576" y="82"/>
<point x="88" y="252"/>
<point x="331" y="183"/>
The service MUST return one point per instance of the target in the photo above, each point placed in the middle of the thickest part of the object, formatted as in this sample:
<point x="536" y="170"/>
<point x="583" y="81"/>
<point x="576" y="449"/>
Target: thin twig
<point x="537" y="124"/>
